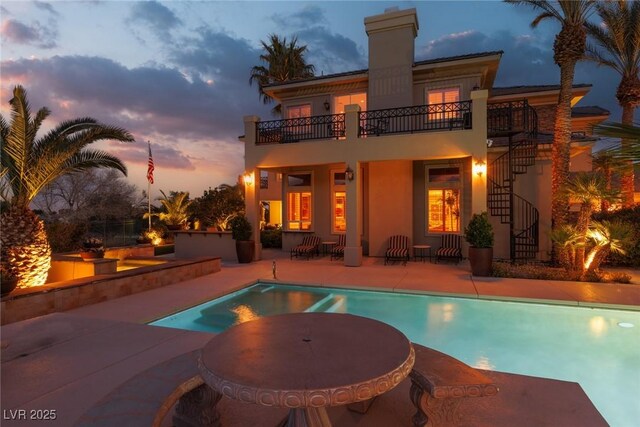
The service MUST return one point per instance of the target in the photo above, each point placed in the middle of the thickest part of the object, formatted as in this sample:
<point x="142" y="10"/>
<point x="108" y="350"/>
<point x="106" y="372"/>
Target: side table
<point x="420" y="251"/>
<point x="328" y="246"/>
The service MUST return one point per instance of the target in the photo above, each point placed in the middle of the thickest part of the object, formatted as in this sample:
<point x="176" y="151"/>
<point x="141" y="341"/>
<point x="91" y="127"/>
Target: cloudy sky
<point x="176" y="73"/>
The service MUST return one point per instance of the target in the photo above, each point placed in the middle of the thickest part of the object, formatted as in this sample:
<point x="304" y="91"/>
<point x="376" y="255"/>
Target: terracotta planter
<point x="8" y="285"/>
<point x="245" y="249"/>
<point x="481" y="260"/>
<point x="88" y="255"/>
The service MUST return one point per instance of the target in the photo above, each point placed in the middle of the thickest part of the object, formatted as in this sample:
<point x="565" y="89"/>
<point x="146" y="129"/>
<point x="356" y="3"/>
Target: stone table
<point x="306" y="362"/>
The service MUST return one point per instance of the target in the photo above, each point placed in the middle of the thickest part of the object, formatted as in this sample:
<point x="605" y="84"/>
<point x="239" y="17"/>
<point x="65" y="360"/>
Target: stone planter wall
<point x="24" y="304"/>
<point x="193" y="244"/>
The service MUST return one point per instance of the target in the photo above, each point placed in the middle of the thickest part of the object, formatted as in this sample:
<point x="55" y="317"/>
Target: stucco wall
<point x="390" y="203"/>
<point x="195" y="244"/>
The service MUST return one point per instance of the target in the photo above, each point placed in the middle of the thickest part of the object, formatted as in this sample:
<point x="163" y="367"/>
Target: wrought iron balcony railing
<point x="419" y="118"/>
<point x="300" y="129"/>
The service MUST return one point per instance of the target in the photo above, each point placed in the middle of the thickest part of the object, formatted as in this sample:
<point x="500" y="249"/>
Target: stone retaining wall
<point x="61" y="296"/>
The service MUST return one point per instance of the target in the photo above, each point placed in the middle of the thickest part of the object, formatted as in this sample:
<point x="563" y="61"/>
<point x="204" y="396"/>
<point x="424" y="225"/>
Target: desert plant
<point x="240" y="228"/>
<point x="176" y="209"/>
<point x="29" y="164"/>
<point x="479" y="232"/>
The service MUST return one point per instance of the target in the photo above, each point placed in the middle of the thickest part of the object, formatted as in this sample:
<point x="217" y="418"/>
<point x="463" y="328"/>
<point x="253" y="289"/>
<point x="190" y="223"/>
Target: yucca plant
<point x="28" y="165"/>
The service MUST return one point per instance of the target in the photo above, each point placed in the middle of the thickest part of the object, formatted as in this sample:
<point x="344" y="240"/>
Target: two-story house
<point x="405" y="147"/>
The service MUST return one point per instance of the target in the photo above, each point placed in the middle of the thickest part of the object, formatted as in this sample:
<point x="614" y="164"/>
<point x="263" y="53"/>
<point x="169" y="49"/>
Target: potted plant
<point x="92" y="248"/>
<point x="479" y="234"/>
<point x="8" y="280"/>
<point x="241" y="231"/>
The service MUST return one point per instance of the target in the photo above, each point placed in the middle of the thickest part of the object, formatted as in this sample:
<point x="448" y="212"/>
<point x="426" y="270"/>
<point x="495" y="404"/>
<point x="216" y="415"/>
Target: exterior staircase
<point x="515" y="122"/>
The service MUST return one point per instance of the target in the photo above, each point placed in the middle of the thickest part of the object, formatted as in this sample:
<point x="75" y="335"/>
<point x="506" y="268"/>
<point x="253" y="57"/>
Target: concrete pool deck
<point x="68" y="361"/>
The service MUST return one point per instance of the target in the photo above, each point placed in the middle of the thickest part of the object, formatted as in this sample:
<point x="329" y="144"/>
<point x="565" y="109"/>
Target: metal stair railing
<point x="513" y="119"/>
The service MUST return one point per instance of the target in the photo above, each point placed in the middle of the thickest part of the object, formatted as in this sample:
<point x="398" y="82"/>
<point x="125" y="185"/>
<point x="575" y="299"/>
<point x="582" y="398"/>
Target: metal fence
<point x="117" y="233"/>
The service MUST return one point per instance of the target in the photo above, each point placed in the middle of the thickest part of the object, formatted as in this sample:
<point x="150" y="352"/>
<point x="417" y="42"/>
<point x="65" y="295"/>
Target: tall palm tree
<point x="30" y="164"/>
<point x="568" y="48"/>
<point x="284" y="62"/>
<point x="618" y="47"/>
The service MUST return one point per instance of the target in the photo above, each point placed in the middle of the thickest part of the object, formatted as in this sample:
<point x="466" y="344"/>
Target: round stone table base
<point x="306" y="417"/>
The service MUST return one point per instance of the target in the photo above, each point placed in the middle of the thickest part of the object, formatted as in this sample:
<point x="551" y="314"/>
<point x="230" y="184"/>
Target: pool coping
<point x="476" y="296"/>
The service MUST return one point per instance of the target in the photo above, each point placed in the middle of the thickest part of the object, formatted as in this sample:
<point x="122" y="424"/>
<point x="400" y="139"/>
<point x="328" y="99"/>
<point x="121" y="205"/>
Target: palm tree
<point x="586" y="189"/>
<point x="568" y="48"/>
<point x="176" y="209"/>
<point x="30" y="164"/>
<point x="618" y="47"/>
<point x="606" y="164"/>
<point x="608" y="237"/>
<point x="284" y="62"/>
<point x="631" y="150"/>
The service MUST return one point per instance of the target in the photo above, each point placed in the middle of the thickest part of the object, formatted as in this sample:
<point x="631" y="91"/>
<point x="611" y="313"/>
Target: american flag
<point x="150" y="167"/>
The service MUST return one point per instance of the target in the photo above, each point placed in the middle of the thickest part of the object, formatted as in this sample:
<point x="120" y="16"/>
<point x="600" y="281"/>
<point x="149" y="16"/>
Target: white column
<point x="252" y="209"/>
<point x="353" y="250"/>
<point x="252" y="191"/>
<point x="479" y="154"/>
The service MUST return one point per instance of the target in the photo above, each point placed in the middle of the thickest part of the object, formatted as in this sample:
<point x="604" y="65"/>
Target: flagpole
<point x="149" y="179"/>
<point x="149" y="199"/>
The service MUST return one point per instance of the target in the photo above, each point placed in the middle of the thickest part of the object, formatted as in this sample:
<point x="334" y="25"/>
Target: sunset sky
<point x="177" y="73"/>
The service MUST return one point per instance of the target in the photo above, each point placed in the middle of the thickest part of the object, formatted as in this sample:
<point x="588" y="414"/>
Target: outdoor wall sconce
<point x="479" y="167"/>
<point x="247" y="178"/>
<point x="476" y="87"/>
<point x="327" y="106"/>
<point x="348" y="173"/>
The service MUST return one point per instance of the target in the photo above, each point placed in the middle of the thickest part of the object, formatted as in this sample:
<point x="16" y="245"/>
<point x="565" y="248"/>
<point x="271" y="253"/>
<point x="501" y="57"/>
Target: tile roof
<point x="512" y="90"/>
<point x="417" y="63"/>
<point x="589" y="111"/>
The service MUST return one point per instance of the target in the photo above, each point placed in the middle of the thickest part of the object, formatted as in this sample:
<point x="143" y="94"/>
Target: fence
<point x="117" y="233"/>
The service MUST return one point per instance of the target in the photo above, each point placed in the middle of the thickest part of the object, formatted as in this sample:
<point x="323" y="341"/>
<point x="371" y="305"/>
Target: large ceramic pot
<point x="245" y="249"/>
<point x="8" y="285"/>
<point x="481" y="260"/>
<point x="89" y="255"/>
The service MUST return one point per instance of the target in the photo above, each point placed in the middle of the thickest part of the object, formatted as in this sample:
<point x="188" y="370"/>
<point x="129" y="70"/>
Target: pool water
<point x="598" y="348"/>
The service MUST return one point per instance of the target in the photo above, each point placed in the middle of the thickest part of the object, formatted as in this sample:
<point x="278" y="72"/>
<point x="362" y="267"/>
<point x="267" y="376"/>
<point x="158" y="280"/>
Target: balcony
<point x="422" y="118"/>
<point x="300" y="129"/>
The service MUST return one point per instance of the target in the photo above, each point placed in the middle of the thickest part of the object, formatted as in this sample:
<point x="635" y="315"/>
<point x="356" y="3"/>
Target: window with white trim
<point x="442" y="96"/>
<point x="338" y="202"/>
<point x="443" y="199"/>
<point x="299" y="201"/>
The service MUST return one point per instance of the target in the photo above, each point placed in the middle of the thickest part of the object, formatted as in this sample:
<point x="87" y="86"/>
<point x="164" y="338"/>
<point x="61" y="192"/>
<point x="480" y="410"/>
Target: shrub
<point x="240" y="228"/>
<point x="479" y="232"/>
<point x="65" y="236"/>
<point x="543" y="272"/>
<point x="271" y="238"/>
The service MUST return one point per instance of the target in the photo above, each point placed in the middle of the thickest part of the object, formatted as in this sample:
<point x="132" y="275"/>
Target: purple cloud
<point x="35" y="34"/>
<point x="159" y="18"/>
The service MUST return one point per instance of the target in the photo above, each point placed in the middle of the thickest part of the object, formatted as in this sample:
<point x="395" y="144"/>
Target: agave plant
<point x="28" y="165"/>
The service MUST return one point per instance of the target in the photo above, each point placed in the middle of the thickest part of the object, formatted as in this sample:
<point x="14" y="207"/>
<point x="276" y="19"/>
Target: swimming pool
<point x="598" y="348"/>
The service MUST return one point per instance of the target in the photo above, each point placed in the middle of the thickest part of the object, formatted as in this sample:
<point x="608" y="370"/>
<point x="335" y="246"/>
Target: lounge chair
<point x="338" y="250"/>
<point x="450" y="248"/>
<point x="309" y="247"/>
<point x="398" y="249"/>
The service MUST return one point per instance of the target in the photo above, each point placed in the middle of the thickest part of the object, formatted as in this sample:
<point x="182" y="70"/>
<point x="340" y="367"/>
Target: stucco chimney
<point x="391" y="55"/>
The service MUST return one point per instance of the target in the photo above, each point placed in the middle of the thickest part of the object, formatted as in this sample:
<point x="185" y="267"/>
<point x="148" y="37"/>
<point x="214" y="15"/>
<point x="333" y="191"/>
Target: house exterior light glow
<point x="401" y="151"/>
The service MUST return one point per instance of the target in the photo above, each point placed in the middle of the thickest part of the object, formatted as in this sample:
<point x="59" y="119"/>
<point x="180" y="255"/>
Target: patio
<point x="69" y="361"/>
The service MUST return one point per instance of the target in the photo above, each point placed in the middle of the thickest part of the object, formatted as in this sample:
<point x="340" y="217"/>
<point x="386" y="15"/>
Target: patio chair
<point x="450" y="248"/>
<point x="309" y="247"/>
<point x="398" y="249"/>
<point x="338" y="250"/>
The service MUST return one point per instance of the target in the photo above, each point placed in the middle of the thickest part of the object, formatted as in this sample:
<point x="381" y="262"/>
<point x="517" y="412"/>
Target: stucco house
<point x="409" y="147"/>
